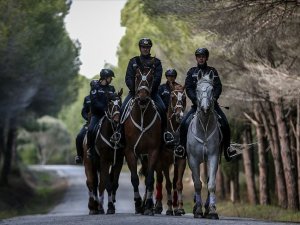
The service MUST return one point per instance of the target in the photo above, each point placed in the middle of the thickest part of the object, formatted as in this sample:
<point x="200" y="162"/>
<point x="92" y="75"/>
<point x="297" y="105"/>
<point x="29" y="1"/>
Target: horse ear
<point x="211" y="75"/>
<point x="199" y="74"/>
<point x="120" y="92"/>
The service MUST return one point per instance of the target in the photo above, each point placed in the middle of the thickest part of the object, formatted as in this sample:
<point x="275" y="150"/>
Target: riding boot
<point x="185" y="123"/>
<point x="79" y="145"/>
<point x="225" y="129"/>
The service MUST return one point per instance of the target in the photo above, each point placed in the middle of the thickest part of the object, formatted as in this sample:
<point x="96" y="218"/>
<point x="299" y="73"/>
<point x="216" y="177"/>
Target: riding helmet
<point x="105" y="73"/>
<point x="202" y="51"/>
<point x="171" y="73"/>
<point x="145" y="42"/>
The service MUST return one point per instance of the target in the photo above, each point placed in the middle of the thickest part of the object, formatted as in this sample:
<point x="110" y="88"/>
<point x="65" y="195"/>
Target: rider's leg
<point x="225" y="131"/>
<point x="79" y="144"/>
<point x="91" y="134"/>
<point x="184" y="129"/>
<point x="161" y="110"/>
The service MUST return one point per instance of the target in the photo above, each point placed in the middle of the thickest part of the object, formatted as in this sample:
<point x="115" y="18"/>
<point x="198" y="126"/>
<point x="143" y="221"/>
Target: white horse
<point x="203" y="145"/>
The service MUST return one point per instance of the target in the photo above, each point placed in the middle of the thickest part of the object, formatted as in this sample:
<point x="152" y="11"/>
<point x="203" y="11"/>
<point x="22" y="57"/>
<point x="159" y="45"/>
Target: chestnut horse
<point x="177" y="105"/>
<point x="106" y="165"/>
<point x="143" y="135"/>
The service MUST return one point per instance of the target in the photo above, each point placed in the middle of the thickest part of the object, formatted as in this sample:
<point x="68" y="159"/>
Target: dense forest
<point x="254" y="45"/>
<point x="38" y="70"/>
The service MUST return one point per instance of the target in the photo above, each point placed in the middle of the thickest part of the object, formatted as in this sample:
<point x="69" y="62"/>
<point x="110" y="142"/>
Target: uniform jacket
<point x="139" y="61"/>
<point x="98" y="96"/>
<point x="191" y="82"/>
<point x="164" y="91"/>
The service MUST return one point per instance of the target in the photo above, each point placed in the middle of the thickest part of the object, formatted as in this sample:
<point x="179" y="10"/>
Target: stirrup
<point x="78" y="159"/>
<point x="168" y="137"/>
<point x="179" y="151"/>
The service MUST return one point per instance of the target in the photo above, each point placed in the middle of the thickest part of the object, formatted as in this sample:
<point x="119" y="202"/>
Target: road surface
<point x="73" y="208"/>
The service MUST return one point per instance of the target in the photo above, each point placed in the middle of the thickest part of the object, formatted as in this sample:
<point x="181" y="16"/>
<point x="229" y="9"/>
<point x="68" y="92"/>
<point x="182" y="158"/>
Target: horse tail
<point x="143" y="172"/>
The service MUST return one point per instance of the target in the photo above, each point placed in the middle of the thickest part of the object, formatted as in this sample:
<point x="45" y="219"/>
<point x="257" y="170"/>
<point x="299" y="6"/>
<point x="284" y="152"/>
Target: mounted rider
<point x="99" y="102"/>
<point x="145" y="60"/>
<point x="202" y="55"/>
<point x="164" y="91"/>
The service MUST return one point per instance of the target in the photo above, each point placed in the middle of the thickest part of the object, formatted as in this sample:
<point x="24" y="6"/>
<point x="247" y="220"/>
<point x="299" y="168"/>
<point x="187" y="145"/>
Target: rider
<point x="202" y="55"/>
<point x="164" y="91"/>
<point x="145" y="60"/>
<point x="99" y="102"/>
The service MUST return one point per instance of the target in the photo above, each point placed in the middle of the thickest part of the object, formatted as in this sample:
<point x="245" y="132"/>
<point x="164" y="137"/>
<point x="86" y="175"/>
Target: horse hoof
<point x="110" y="211"/>
<point x="110" y="208"/>
<point x="198" y="216"/>
<point x="212" y="216"/>
<point x="179" y="212"/>
<point x="169" y="212"/>
<point x="93" y="212"/>
<point x="158" y="210"/>
<point x="148" y="212"/>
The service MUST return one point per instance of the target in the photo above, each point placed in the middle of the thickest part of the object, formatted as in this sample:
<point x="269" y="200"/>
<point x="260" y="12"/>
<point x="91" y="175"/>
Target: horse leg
<point x="169" y="211"/>
<point x="159" y="180"/>
<point x="175" y="194"/>
<point x="132" y="165"/>
<point x="91" y="174"/>
<point x="210" y="205"/>
<point x="104" y="179"/>
<point x="195" y="168"/>
<point x="181" y="164"/>
<point x="115" y="172"/>
<point x="152" y="158"/>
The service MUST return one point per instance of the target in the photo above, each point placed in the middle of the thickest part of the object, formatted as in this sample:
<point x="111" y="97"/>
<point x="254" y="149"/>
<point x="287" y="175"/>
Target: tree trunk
<point x="298" y="145"/>
<point x="10" y="146"/>
<point x="271" y="131"/>
<point x="234" y="184"/>
<point x="264" y="196"/>
<point x="286" y="156"/>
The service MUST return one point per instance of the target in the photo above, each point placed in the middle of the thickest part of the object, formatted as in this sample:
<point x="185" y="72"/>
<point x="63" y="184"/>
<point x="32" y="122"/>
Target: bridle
<point x="174" y="107"/>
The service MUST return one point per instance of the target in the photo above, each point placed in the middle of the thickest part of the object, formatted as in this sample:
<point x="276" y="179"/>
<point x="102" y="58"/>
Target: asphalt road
<point x="73" y="207"/>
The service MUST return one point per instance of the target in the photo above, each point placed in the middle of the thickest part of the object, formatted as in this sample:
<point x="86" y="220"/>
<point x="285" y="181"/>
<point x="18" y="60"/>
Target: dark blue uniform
<point x="191" y="85"/>
<point x="85" y="114"/>
<point x="99" y="103"/>
<point x="133" y="64"/>
<point x="164" y="91"/>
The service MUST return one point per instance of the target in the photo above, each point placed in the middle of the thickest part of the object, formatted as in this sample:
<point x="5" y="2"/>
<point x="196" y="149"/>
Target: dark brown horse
<point x="143" y="135"/>
<point x="177" y="105"/>
<point x="106" y="165"/>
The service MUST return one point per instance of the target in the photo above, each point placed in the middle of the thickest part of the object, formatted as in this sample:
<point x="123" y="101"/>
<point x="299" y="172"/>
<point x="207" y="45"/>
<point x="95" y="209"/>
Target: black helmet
<point x="93" y="83"/>
<point x="171" y="73"/>
<point x="145" y="42"/>
<point x="105" y="73"/>
<point x="202" y="51"/>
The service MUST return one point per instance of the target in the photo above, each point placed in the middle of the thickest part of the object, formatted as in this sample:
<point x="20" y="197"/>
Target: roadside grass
<point x="270" y="213"/>
<point x="30" y="192"/>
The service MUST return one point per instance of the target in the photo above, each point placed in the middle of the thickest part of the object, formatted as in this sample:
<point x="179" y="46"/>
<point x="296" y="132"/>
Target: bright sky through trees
<point x="96" y="24"/>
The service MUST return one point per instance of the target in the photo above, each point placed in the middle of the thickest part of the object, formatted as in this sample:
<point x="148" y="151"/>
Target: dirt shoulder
<point x="31" y="192"/>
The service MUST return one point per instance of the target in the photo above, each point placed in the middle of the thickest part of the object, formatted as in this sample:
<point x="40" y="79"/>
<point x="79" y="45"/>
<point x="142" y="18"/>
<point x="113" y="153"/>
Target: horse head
<point x="177" y="101"/>
<point x="143" y="84"/>
<point x="205" y="100"/>
<point x="114" y="107"/>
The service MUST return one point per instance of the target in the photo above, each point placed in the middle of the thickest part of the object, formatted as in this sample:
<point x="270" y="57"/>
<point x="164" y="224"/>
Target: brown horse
<point x="177" y="105"/>
<point x="106" y="165"/>
<point x="142" y="129"/>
